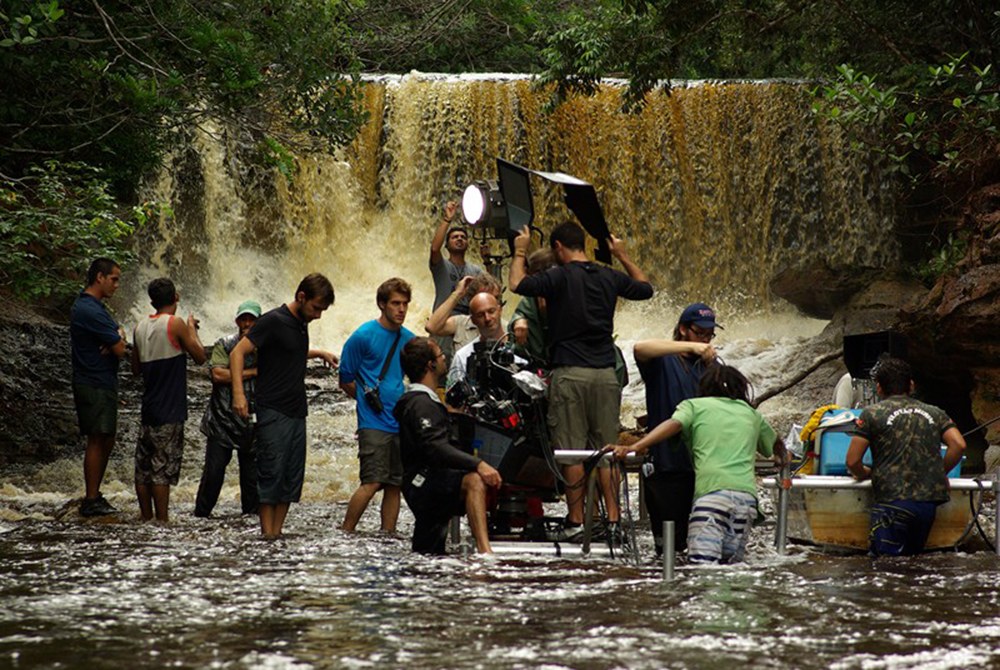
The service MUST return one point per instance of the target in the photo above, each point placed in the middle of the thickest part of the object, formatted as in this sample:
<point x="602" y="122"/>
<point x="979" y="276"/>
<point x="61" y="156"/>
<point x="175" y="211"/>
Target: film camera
<point x="505" y="425"/>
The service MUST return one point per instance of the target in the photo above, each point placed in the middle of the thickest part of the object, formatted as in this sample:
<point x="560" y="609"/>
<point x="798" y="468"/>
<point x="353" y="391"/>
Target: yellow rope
<point x="813" y="423"/>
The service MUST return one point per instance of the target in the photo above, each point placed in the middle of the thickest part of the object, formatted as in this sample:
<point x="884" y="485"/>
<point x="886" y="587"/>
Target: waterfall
<point x="714" y="187"/>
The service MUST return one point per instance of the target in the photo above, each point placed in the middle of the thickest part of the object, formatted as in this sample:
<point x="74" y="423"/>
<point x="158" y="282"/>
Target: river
<point x="209" y="593"/>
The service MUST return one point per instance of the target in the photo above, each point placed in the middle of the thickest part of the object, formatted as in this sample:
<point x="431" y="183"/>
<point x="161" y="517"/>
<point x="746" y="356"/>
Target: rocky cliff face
<point x="36" y="401"/>
<point x="951" y="331"/>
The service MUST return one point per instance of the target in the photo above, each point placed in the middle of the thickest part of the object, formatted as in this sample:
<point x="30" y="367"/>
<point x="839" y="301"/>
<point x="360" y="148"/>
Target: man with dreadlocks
<point x="908" y="477"/>
<point x="722" y="432"/>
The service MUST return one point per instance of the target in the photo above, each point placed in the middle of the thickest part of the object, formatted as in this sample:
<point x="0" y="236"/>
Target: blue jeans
<point x="900" y="527"/>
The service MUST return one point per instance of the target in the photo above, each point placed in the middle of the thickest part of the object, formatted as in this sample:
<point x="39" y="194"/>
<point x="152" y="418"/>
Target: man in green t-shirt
<point x="909" y="479"/>
<point x="723" y="433"/>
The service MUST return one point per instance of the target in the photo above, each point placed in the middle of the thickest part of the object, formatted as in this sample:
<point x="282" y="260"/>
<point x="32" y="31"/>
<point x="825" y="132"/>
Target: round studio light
<point x="474" y="202"/>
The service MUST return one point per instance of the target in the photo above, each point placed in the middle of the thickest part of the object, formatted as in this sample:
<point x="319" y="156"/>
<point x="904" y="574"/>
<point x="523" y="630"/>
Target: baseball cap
<point x="700" y="315"/>
<point x="250" y="307"/>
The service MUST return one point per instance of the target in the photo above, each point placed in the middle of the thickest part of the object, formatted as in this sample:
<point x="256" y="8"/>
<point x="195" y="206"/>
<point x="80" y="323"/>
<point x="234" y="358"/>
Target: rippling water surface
<point x="210" y="593"/>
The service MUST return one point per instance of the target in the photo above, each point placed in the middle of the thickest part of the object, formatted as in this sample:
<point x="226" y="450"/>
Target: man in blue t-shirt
<point x="98" y="344"/>
<point x="370" y="372"/>
<point x="671" y="371"/>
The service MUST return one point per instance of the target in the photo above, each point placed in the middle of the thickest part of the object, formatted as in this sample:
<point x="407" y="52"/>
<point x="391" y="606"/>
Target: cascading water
<point x="714" y="187"/>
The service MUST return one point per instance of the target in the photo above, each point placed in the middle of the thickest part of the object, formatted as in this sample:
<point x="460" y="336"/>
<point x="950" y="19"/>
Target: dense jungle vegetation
<point x="93" y="93"/>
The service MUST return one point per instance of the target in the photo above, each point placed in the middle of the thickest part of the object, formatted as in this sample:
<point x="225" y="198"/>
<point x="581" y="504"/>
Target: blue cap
<point x="700" y="315"/>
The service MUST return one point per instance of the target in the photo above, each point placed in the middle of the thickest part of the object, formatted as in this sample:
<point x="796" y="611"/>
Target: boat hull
<point x="840" y="518"/>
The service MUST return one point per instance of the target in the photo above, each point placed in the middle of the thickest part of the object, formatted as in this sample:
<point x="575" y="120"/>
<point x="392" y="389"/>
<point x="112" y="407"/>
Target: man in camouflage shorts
<point x="909" y="479"/>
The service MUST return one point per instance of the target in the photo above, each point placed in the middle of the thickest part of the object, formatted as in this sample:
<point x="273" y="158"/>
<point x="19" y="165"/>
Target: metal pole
<point x="781" y="529"/>
<point x="996" y="522"/>
<point x="669" y="549"/>
<point x="643" y="514"/>
<point x="588" y="513"/>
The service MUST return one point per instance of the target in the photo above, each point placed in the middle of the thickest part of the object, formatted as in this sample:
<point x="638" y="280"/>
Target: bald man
<point x="485" y="311"/>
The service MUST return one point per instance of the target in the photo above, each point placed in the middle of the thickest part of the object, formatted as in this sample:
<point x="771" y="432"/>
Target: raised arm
<point x="645" y="350"/>
<point x="442" y="230"/>
<point x="441" y="322"/>
<point x="617" y="248"/>
<point x="517" y="264"/>
<point x="186" y="333"/>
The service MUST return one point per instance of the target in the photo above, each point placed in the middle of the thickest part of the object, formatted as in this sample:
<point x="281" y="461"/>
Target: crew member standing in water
<point x="97" y="344"/>
<point x="161" y="342"/>
<point x="225" y="431"/>
<point x="671" y="371"/>
<point x="723" y="433"/>
<point x="908" y="477"/>
<point x="281" y="338"/>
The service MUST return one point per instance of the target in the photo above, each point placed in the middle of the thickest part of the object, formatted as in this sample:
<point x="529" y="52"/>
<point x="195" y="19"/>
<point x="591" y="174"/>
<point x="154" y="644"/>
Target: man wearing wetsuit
<point x="440" y="480"/>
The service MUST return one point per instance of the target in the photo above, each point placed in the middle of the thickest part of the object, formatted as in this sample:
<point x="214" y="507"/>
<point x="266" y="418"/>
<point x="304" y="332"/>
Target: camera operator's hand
<point x="489" y="475"/>
<point x="450" y="208"/>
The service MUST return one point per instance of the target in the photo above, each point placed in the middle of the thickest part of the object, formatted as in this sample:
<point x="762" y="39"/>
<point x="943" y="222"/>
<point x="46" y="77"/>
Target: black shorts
<point x="281" y="456"/>
<point x="96" y="409"/>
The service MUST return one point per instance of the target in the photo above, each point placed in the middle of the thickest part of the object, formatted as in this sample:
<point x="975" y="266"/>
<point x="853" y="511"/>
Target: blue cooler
<point x="834" y="437"/>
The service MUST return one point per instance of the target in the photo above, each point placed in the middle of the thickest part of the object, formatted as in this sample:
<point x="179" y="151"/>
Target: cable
<point x="975" y="517"/>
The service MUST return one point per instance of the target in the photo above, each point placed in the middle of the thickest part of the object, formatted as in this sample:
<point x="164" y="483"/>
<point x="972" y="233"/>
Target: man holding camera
<point x="370" y="360"/>
<point x="485" y="312"/>
<point x="585" y="397"/>
<point x="440" y="480"/>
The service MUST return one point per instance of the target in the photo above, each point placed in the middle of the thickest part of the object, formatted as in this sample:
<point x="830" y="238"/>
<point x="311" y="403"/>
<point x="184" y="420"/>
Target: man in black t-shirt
<point x="281" y="338"/>
<point x="585" y="397"/>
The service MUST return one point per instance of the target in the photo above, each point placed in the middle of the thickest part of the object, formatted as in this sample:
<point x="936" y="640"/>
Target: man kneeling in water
<point x="439" y="480"/>
<point x="722" y="432"/>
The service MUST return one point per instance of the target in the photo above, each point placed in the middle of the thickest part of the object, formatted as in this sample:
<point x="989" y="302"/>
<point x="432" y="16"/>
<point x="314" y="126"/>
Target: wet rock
<point x="818" y="290"/>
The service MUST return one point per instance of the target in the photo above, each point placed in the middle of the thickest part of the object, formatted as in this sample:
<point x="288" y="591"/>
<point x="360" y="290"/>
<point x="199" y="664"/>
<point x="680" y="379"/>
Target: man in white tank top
<point x="160" y="344"/>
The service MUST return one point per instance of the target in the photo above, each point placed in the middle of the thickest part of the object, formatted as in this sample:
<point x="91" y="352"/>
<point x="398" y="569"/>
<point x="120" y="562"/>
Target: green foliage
<point x="53" y="221"/>
<point x="110" y="82"/>
<point x="941" y="259"/>
<point x="454" y="35"/>
<point x="939" y="128"/>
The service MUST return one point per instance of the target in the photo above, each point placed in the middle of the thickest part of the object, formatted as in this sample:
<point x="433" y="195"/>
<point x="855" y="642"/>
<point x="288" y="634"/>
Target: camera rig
<point x="505" y="424"/>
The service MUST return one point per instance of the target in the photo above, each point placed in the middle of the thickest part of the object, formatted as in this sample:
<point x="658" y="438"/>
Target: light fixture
<point x="483" y="206"/>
